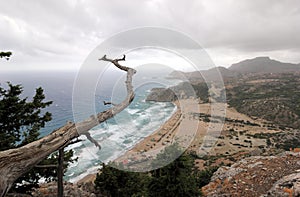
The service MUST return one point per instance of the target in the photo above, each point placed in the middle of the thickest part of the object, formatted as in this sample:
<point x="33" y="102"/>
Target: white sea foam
<point x="117" y="136"/>
<point x="132" y="111"/>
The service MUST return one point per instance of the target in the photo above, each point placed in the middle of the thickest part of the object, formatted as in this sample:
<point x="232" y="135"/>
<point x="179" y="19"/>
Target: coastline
<point x="150" y="145"/>
<point x="166" y="131"/>
<point x="180" y="127"/>
<point x="189" y="131"/>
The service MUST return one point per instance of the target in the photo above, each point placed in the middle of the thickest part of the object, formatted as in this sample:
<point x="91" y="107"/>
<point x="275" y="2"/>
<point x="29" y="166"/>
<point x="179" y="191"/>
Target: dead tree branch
<point x="89" y="137"/>
<point x="15" y="162"/>
<point x="108" y="103"/>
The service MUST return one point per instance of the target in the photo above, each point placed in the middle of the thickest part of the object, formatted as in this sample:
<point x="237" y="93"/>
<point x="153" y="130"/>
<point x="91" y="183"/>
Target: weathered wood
<point x="15" y="162"/>
<point x="60" y="173"/>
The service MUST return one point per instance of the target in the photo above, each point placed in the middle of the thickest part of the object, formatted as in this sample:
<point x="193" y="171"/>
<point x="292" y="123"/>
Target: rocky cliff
<point x="161" y="95"/>
<point x="258" y="176"/>
<point x="181" y="91"/>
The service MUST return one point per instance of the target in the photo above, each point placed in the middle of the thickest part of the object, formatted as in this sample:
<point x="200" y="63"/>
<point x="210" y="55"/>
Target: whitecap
<point x="120" y="134"/>
<point x="132" y="111"/>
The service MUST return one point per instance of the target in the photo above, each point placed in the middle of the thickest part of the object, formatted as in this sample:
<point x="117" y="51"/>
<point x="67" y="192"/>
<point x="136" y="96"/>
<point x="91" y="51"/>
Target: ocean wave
<point x="132" y="111"/>
<point x="118" y="135"/>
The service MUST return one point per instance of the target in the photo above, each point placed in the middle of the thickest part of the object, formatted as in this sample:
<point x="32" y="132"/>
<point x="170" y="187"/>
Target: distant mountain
<point x="263" y="65"/>
<point x="210" y="74"/>
<point x="176" y="74"/>
<point x="258" y="65"/>
<point x="217" y="71"/>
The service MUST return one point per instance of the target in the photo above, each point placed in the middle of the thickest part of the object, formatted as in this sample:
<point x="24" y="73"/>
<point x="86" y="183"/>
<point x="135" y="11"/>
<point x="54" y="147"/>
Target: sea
<point x="116" y="135"/>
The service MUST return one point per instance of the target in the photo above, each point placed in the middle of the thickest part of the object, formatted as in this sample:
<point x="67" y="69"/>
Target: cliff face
<point x="181" y="91"/>
<point x="161" y="95"/>
<point x="258" y="176"/>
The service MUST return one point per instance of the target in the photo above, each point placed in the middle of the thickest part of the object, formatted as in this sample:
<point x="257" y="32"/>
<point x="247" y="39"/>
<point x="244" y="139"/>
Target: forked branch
<point x="15" y="162"/>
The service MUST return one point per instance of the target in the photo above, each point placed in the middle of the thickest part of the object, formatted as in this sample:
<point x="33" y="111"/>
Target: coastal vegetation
<point x="178" y="178"/>
<point x="277" y="95"/>
<point x="20" y="123"/>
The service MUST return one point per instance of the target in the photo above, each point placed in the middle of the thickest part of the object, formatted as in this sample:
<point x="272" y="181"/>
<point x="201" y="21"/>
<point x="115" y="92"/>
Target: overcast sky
<point x="59" y="34"/>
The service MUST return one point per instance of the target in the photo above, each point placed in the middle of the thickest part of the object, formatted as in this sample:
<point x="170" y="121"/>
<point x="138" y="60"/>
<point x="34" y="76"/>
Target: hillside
<point x="262" y="121"/>
<point x="274" y="97"/>
<point x="212" y="74"/>
<point x="258" y="85"/>
<point x="258" y="65"/>
<point x="263" y="65"/>
<point x="181" y="91"/>
<point x="249" y="151"/>
<point x="258" y="176"/>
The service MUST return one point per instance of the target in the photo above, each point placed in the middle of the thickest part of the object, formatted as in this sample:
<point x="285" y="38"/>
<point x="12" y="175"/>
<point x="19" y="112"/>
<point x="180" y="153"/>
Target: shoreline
<point x="140" y="143"/>
<point x="180" y="127"/>
<point x="188" y="127"/>
<point x="156" y="141"/>
<point x="190" y="131"/>
<point x="138" y="150"/>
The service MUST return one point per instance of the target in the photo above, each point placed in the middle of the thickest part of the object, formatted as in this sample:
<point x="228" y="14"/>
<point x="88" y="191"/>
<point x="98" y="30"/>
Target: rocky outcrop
<point x="70" y="190"/>
<point x="286" y="186"/>
<point x="161" y="95"/>
<point x="183" y="90"/>
<point x="257" y="176"/>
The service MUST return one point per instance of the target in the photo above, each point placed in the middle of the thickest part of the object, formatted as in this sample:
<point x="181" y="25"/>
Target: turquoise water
<point x="116" y="135"/>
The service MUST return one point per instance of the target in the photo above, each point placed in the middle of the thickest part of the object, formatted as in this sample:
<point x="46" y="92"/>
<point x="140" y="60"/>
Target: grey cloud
<point x="73" y="28"/>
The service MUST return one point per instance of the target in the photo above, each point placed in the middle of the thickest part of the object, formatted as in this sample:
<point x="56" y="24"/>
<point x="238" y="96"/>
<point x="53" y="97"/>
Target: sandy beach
<point x="152" y="144"/>
<point x="180" y="128"/>
<point x="187" y="130"/>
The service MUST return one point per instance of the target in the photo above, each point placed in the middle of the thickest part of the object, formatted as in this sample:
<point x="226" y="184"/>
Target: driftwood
<point x="15" y="162"/>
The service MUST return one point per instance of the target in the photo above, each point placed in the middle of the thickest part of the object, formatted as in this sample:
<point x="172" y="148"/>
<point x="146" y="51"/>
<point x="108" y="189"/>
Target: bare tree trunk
<point x="15" y="162"/>
<point x="60" y="173"/>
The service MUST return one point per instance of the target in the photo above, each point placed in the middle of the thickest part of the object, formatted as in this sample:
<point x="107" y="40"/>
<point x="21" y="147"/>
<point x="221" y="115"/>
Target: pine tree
<point x="20" y="122"/>
<point x="176" y="178"/>
<point x="112" y="181"/>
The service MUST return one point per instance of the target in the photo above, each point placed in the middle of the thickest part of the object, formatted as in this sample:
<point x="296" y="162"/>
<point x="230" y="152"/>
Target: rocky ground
<point x="258" y="176"/>
<point x="83" y="188"/>
<point x="70" y="190"/>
